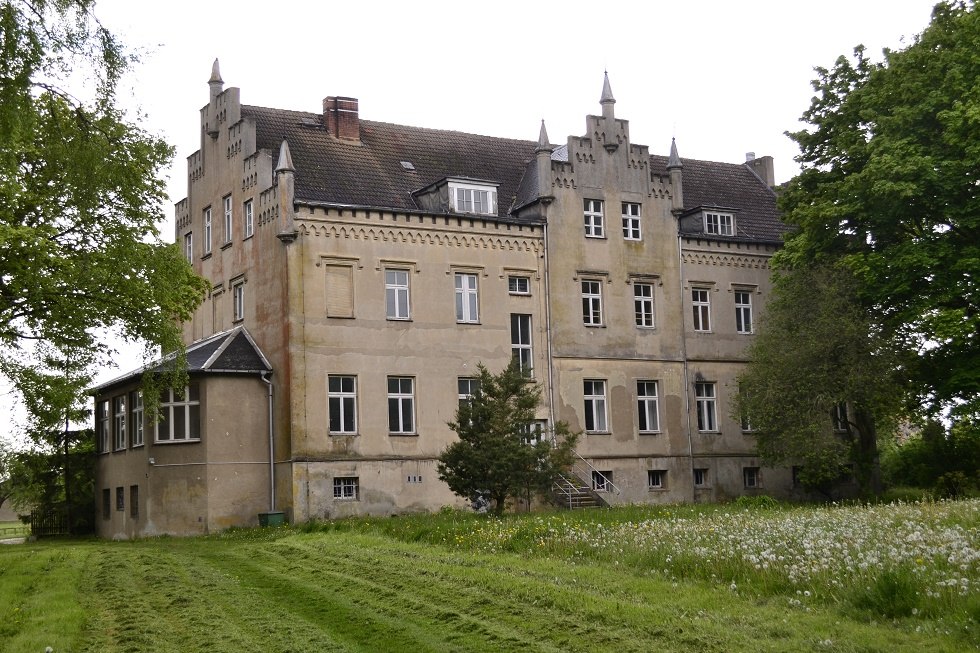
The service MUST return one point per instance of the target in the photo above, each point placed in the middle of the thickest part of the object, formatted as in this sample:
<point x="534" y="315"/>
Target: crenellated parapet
<point x="182" y="214"/>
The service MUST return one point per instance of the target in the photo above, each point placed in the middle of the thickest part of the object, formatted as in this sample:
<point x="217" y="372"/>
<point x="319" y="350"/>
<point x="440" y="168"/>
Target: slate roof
<point x="228" y="352"/>
<point x="370" y="173"/>
<point x="324" y="164"/>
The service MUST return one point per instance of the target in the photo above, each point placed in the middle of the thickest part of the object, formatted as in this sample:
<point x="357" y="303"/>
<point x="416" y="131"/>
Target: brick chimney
<point x="340" y="117"/>
<point x="762" y="167"/>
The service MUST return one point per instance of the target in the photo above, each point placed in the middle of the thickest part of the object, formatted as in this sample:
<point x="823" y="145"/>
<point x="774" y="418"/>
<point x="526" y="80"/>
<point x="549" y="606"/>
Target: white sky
<point x="723" y="77"/>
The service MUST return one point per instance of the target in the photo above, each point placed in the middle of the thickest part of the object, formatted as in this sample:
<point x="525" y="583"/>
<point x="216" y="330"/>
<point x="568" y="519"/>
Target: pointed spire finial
<point x="215" y="73"/>
<point x="285" y="159"/>
<point x="675" y="160"/>
<point x="607" y="95"/>
<point x="543" y="142"/>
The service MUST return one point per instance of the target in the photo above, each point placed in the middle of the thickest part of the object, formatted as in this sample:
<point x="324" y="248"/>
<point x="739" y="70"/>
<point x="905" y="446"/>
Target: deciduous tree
<point x="499" y="453"/>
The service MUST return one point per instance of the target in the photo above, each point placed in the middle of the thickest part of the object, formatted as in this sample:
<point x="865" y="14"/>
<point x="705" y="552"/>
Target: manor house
<point x="361" y="271"/>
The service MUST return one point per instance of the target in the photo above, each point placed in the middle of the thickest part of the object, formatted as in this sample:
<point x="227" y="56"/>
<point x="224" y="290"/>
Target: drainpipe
<point x="687" y="378"/>
<point x="548" y="334"/>
<point x="272" y="448"/>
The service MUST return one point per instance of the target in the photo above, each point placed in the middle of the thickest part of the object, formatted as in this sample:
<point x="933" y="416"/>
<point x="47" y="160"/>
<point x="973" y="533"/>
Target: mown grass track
<point x="358" y="592"/>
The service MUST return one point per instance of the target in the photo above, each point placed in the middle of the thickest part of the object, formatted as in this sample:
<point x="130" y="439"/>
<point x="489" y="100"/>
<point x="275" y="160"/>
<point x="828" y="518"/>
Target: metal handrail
<point x="608" y="481"/>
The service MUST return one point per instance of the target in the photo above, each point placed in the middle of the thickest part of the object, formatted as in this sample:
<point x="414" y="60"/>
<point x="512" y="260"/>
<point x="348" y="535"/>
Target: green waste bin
<point x="274" y="518"/>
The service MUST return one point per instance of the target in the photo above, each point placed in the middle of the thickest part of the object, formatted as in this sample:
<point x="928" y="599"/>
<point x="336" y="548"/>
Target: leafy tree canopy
<point x="499" y="454"/>
<point x="890" y="187"/>
<point x="80" y="198"/>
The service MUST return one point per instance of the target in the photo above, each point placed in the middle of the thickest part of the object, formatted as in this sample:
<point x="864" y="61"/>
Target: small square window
<point x="346" y="488"/>
<point x="656" y="479"/>
<point x="602" y="481"/>
<point x="751" y="477"/>
<point x="519" y="285"/>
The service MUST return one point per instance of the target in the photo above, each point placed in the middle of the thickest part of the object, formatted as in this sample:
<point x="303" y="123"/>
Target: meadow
<point x="890" y="577"/>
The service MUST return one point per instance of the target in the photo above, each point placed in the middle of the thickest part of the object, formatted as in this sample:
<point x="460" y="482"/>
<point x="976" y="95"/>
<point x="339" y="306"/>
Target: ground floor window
<point x="134" y="501"/>
<point x="700" y="477"/>
<point x="656" y="479"/>
<point x="345" y="487"/>
<point x="602" y="481"/>
<point x="120" y="498"/>
<point x="751" y="477"/>
<point x="180" y="414"/>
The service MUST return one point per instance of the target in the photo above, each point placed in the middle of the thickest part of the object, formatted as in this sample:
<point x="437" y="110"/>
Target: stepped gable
<point x="729" y="186"/>
<point x="369" y="172"/>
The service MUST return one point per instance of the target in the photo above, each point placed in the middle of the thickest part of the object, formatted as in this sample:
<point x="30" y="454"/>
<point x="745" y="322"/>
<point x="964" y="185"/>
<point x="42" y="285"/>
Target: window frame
<point x="753" y="474"/>
<point x="191" y="408"/>
<point x="631" y="221"/>
<point x="701" y="307"/>
<point x="238" y="300"/>
<point x="208" y="231"/>
<point x="103" y="425"/>
<point x="719" y="223"/>
<point x="656" y="479"/>
<point x="521" y="330"/>
<point x="596" y="405"/>
<point x="189" y="246"/>
<point x="469" y="204"/>
<point x="514" y="281"/>
<point x="706" y="406"/>
<point x="593" y="218"/>
<point x="602" y="480"/>
<point x="591" y="302"/>
<point x="466" y="388"/>
<point x="342" y="404"/>
<point x="248" y="219"/>
<point x="839" y="418"/>
<point x="467" y="298"/>
<point x="703" y="473"/>
<point x="743" y="311"/>
<point x="644" y="306"/>
<point x="644" y="402"/>
<point x="119" y="415"/>
<point x="395" y="291"/>
<point x="402" y="399"/>
<point x="120" y="498"/>
<point x="134" y="501"/>
<point x="228" y="219"/>
<point x="346" y="488"/>
<point x="136" y="417"/>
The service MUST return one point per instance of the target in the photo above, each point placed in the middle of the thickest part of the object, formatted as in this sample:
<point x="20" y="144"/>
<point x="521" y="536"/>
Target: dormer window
<point x="719" y="224"/>
<point x="473" y="198"/>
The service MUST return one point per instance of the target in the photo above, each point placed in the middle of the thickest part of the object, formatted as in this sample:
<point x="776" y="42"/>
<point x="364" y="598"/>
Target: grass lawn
<point x="584" y="581"/>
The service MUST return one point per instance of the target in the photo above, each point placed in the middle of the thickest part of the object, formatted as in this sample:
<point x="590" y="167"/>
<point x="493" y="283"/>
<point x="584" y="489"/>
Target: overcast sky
<point x="724" y="78"/>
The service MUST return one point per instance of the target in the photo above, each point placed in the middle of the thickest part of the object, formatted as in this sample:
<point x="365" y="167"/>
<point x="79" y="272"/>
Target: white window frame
<point x="701" y="307"/>
<point x="644" y="305"/>
<point x="342" y="404"/>
<point x="594" y="395"/>
<point x="119" y="408"/>
<point x="346" y="488"/>
<point x="466" y="388"/>
<point x="207" y="231"/>
<point x="520" y="341"/>
<point x="238" y="301"/>
<point x="189" y="246"/>
<point x="404" y="402"/>
<point x="591" y="302"/>
<point x="226" y="202"/>
<point x="838" y="415"/>
<point x="631" y="221"/>
<point x="656" y="479"/>
<point x="594" y="221"/>
<point x="248" y="213"/>
<point x="701" y="477"/>
<point x="176" y="403"/>
<point x="744" y="420"/>
<point x="103" y="421"/>
<point x="648" y="406"/>
<point x="752" y="477"/>
<point x="519" y="284"/>
<point x="534" y="431"/>
<point x="467" y="297"/>
<point x="706" y="403"/>
<point x="136" y="418"/>
<point x="397" y="294"/>
<point x="473" y="198"/>
<point x="743" y="311"/>
<point x="602" y="481"/>
<point x="719" y="224"/>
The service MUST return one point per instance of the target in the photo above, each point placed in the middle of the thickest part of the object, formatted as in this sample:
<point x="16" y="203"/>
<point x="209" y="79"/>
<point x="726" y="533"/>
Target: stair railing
<point x="591" y="470"/>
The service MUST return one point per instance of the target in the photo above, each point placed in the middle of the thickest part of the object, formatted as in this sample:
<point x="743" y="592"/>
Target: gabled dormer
<point x="459" y="195"/>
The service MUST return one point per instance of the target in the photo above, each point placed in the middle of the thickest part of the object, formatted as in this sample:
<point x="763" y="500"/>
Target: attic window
<point x="719" y="224"/>
<point x="408" y="165"/>
<point x="473" y="198"/>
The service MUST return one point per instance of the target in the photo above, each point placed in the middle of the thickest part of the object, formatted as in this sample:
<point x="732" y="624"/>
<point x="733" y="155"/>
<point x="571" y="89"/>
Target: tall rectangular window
<point x="702" y="309"/>
<point x="120" y="499"/>
<point x="134" y="501"/>
<point x="700" y="477"/>
<point x="227" y="224"/>
<point x="631" y="221"/>
<point x="136" y="418"/>
<point x="751" y="477"/>
<point x="248" y="214"/>
<point x="119" y="422"/>
<point x="339" y="280"/>
<point x="102" y="424"/>
<point x="592" y="303"/>
<point x="743" y="311"/>
<point x="467" y="305"/>
<point x="520" y="340"/>
<point x="180" y="414"/>
<point x="342" y="403"/>
<point x="839" y="415"/>
<point x="238" y="301"/>
<point x="189" y="247"/>
<point x="647" y="406"/>
<point x="719" y="224"/>
<point x="401" y="404"/>
<point x="594" y="225"/>
<point x="595" y="406"/>
<point x="346" y="487"/>
<point x="396" y="294"/>
<point x="643" y="305"/>
<point x="207" y="230"/>
<point x="704" y="394"/>
<point x="466" y="387"/>
<point x="743" y="418"/>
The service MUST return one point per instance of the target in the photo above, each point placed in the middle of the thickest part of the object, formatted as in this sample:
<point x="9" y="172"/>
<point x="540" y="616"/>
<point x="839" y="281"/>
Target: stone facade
<point x="374" y="266"/>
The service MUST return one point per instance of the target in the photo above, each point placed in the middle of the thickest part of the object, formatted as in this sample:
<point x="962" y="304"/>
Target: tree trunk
<point x="866" y="453"/>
